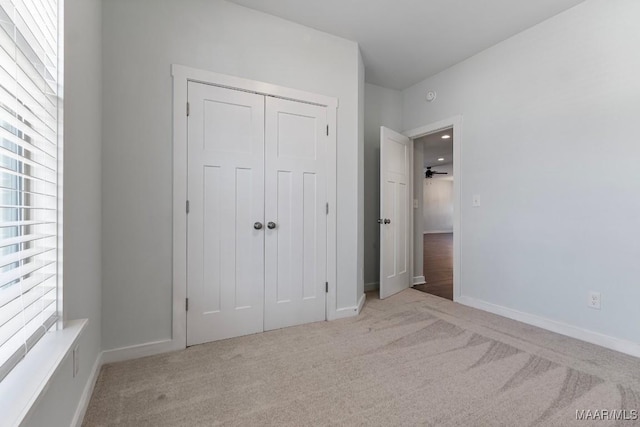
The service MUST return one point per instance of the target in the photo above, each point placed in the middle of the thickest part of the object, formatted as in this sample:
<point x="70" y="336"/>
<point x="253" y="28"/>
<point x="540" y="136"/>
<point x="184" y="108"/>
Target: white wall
<point x="542" y="113"/>
<point x="437" y="214"/>
<point x="82" y="206"/>
<point x="361" y="184"/>
<point x="142" y="38"/>
<point x="382" y="107"/>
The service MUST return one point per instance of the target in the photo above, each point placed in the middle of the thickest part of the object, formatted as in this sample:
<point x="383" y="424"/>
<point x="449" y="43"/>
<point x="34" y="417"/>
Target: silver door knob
<point x="387" y="221"/>
<point x="271" y="225"/>
<point x="257" y="225"/>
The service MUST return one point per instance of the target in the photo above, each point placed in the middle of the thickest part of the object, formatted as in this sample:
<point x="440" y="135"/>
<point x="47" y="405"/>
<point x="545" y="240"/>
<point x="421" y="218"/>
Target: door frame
<point x="182" y="75"/>
<point x="455" y="123"/>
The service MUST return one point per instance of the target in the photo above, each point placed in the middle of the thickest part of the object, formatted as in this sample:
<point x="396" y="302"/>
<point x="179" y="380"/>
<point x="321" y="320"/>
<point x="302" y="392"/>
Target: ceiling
<point x="405" y="41"/>
<point x="437" y="148"/>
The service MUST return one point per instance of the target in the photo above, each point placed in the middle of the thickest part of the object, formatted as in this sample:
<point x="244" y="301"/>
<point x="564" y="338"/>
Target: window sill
<point x="25" y="384"/>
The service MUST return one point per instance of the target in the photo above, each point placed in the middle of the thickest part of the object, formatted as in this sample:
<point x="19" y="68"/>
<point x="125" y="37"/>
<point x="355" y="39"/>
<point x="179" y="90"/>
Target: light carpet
<point x="412" y="359"/>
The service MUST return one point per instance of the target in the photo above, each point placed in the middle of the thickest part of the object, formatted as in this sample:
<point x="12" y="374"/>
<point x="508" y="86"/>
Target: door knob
<point x="387" y="221"/>
<point x="271" y="225"/>
<point x="379" y="220"/>
<point x="257" y="225"/>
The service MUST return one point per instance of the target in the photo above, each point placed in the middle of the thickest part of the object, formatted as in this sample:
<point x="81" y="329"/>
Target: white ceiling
<point x="434" y="148"/>
<point x="405" y="41"/>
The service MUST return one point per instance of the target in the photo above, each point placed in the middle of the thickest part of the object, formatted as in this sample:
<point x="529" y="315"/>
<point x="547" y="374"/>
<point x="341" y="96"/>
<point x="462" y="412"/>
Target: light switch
<point x="476" y="201"/>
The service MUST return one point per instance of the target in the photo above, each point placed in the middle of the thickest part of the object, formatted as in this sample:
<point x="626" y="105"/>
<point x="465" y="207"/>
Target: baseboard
<point x="363" y="298"/>
<point x="617" y="344"/>
<point x="85" y="398"/>
<point x="437" y="232"/>
<point x="341" y="313"/>
<point x="368" y="287"/>
<point x="419" y="280"/>
<point x="140" y="350"/>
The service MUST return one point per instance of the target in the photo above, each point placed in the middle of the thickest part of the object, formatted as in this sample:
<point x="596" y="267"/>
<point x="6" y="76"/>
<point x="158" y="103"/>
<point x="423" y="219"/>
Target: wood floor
<point x="438" y="265"/>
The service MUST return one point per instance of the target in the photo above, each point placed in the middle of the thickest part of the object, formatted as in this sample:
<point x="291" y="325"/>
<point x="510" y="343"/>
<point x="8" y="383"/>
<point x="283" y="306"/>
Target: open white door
<point x="395" y="173"/>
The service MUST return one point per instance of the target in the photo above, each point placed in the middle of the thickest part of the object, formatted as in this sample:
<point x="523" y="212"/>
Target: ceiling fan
<point x="429" y="173"/>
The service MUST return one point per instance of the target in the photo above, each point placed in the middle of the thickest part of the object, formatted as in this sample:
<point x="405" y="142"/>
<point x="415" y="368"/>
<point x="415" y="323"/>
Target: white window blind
<point x="29" y="149"/>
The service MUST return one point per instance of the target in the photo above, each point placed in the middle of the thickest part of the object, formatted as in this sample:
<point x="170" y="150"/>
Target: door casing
<point x="181" y="76"/>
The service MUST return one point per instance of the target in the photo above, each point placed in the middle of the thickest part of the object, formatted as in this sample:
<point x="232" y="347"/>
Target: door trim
<point x="454" y="122"/>
<point x="181" y="76"/>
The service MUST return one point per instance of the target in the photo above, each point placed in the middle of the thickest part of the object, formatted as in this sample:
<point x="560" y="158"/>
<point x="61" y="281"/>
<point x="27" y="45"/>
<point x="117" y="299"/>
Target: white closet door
<point x="295" y="204"/>
<point x="226" y="194"/>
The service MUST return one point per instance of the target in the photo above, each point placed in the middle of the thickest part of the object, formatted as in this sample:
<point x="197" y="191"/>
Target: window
<point x="29" y="171"/>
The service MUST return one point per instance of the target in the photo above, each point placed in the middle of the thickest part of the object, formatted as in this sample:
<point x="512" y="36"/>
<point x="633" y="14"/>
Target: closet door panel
<point x="225" y="253"/>
<point x="295" y="200"/>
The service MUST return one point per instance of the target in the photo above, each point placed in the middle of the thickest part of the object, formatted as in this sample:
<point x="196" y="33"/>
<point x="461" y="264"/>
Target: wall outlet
<point x="476" y="201"/>
<point x="594" y="300"/>
<point x="76" y="361"/>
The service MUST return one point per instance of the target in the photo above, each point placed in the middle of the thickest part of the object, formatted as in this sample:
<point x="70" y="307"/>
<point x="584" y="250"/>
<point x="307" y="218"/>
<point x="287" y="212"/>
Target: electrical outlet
<point x="594" y="300"/>
<point x="76" y="361"/>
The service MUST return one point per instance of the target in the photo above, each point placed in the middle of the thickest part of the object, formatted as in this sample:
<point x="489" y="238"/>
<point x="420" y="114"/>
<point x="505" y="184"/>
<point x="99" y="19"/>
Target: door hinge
<point x="186" y="304"/>
<point x="327" y="208"/>
<point x="326" y="287"/>
<point x="187" y="206"/>
<point x="327" y="130"/>
<point x="188" y="109"/>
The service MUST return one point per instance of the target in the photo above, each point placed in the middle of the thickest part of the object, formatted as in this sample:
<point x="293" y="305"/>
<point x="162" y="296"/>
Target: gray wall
<point x="544" y="111"/>
<point x="382" y="107"/>
<point x="437" y="196"/>
<point x="82" y="206"/>
<point x="142" y="38"/>
<point x="361" y="183"/>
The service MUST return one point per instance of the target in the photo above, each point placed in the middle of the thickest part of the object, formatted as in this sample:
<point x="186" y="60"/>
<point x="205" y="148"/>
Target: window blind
<point x="29" y="149"/>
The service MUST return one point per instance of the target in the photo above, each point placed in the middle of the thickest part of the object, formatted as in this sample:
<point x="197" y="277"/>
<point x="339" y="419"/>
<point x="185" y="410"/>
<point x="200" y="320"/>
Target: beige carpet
<point x="412" y="359"/>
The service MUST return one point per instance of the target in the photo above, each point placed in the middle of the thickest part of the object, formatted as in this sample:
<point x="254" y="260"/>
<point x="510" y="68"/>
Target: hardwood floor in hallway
<point x="438" y="265"/>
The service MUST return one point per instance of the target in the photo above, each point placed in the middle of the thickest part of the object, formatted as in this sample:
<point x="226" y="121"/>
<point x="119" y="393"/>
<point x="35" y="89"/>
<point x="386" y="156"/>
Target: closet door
<point x="225" y="236"/>
<point x="295" y="213"/>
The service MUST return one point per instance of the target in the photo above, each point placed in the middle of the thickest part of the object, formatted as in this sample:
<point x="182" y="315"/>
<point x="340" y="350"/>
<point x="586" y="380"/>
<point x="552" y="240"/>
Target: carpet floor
<point x="412" y="359"/>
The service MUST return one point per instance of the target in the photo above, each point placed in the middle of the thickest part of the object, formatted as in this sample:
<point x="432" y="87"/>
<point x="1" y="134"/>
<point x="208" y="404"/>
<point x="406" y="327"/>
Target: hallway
<point x="438" y="265"/>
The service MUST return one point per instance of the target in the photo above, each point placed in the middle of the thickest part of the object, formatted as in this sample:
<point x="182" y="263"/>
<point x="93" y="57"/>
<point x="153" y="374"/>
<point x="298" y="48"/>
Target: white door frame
<point x="181" y="76"/>
<point x="413" y="134"/>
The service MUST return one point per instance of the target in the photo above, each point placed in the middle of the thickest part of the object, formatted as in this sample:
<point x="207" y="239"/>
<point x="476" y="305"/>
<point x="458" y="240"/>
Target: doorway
<point x="392" y="227"/>
<point x="452" y="246"/>
<point x="434" y="152"/>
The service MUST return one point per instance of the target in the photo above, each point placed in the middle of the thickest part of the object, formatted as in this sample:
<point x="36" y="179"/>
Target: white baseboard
<point x="140" y="350"/>
<point x="341" y="313"/>
<point x="419" y="280"/>
<point x="371" y="286"/>
<point x="85" y="398"/>
<point x="617" y="344"/>
<point x="363" y="298"/>
<point x="437" y="232"/>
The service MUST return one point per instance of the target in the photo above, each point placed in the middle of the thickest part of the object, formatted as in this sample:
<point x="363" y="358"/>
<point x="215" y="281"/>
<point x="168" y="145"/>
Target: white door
<point x="225" y="251"/>
<point x="295" y="213"/>
<point x="395" y="173"/>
